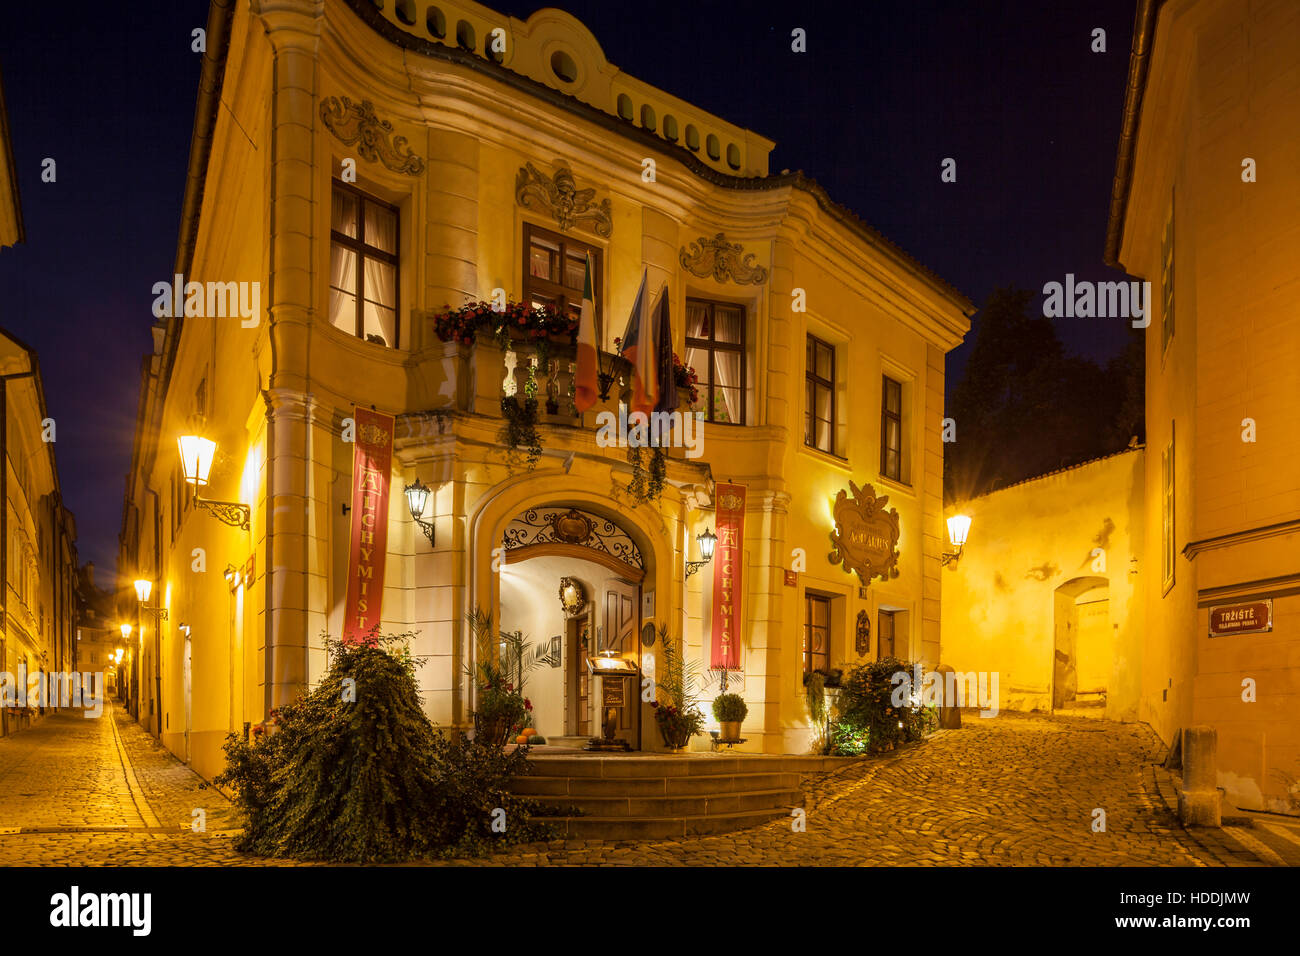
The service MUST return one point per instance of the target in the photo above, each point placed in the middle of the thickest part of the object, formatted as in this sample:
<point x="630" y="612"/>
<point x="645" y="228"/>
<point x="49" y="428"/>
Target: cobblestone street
<point x="1012" y="791"/>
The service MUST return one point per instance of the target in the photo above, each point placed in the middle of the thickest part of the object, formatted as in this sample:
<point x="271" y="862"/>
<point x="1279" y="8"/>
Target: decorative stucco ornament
<point x="862" y="634"/>
<point x="865" y="536"/>
<point x="560" y="195"/>
<point x="357" y="123"/>
<point x="722" y="260"/>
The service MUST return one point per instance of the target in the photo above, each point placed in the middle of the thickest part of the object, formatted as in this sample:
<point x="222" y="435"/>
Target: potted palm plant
<point x="677" y="714"/>
<point x="730" y="710"/>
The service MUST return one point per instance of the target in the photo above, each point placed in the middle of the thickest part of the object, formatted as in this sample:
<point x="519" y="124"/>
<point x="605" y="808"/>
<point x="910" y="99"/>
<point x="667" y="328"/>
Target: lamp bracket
<point x="229" y="512"/>
<point x="693" y="566"/>
<point x="426" y="527"/>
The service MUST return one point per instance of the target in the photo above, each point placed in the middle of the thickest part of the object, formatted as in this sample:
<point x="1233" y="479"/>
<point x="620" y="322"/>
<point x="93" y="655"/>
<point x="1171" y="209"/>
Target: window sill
<point x="825" y="456"/>
<point x="899" y="486"/>
<point x="364" y="348"/>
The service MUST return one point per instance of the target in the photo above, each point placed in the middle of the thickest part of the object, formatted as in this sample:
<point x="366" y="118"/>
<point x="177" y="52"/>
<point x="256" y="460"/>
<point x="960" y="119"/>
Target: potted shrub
<point x="730" y="710"/>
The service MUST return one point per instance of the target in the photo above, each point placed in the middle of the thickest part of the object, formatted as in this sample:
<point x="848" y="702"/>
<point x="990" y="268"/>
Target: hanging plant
<point x="520" y="429"/>
<point x="684" y="376"/>
<point x="647" y="486"/>
<point x="514" y="320"/>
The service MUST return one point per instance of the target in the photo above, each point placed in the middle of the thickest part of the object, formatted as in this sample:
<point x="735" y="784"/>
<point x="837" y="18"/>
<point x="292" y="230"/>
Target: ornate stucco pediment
<point x="560" y="196"/>
<point x="357" y="123"/>
<point x="722" y="260"/>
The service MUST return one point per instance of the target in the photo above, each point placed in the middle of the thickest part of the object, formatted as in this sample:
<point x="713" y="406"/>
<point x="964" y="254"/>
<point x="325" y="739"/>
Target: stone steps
<point x="625" y="787"/>
<point x="703" y="805"/>
<point x="657" y="828"/>
<point x="665" y="796"/>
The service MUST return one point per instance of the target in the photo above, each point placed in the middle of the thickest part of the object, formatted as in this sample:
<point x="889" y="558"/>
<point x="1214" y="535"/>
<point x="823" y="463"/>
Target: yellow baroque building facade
<point x="1205" y="207"/>
<point x="373" y="163"/>
<point x="38" y="611"/>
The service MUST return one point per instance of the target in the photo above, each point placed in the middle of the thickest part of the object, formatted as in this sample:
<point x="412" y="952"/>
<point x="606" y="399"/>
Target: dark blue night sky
<point x="885" y="91"/>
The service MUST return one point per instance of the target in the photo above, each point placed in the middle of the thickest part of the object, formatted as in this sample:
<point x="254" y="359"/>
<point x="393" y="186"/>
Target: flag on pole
<point x="639" y="349"/>
<point x="587" y="382"/>
<point x="664" y="355"/>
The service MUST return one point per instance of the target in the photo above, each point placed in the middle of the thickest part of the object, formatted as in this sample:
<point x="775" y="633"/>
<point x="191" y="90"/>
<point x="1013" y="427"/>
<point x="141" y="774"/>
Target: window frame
<point x="711" y="345"/>
<point x="363" y="252"/>
<point x="1168" y="504"/>
<point x="886" y="614"/>
<point x="809" y="655"/>
<point x="1167" y="281"/>
<point x="558" y="291"/>
<point x="886" y="416"/>
<point x="816" y="381"/>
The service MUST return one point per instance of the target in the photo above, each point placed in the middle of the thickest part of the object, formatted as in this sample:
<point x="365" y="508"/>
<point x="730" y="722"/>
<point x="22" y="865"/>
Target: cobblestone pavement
<point x="1013" y="790"/>
<point x="1016" y="790"/>
<point x="101" y="792"/>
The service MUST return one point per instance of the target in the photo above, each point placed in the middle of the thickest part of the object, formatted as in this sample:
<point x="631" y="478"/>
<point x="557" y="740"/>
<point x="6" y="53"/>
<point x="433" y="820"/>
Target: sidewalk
<point x="1248" y="838"/>
<point x="78" y="791"/>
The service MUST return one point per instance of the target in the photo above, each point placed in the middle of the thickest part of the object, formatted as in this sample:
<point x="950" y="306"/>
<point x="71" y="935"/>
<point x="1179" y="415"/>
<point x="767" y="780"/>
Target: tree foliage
<point x="358" y="773"/>
<point x="1024" y="407"/>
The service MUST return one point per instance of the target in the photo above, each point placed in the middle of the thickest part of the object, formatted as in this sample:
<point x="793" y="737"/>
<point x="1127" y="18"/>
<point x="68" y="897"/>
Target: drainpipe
<point x="157" y="617"/>
<point x="268" y="655"/>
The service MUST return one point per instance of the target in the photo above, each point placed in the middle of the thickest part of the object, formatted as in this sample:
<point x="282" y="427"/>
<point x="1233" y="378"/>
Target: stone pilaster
<point x="294" y="544"/>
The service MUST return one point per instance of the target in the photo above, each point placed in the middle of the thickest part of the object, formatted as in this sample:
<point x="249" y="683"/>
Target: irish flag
<point x="586" y="384"/>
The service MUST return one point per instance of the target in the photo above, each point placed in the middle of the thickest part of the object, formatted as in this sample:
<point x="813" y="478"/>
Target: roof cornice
<point x="1139" y="66"/>
<point x="367" y="13"/>
<point x="7" y="160"/>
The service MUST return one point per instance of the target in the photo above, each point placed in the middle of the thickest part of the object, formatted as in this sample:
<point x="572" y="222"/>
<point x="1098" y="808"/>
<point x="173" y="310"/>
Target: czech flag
<point x="587" y="381"/>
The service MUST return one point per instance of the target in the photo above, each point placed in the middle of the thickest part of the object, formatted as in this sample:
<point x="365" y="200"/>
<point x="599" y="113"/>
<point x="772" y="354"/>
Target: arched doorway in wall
<point x="1083" y="646"/>
<point x="544" y="546"/>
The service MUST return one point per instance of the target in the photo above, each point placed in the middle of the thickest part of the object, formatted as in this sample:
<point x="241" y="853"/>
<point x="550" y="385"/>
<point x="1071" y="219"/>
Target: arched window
<point x="436" y="23"/>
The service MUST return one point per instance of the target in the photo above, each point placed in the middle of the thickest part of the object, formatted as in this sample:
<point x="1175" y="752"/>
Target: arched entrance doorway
<point x="1083" y="646"/>
<point x="547" y="548"/>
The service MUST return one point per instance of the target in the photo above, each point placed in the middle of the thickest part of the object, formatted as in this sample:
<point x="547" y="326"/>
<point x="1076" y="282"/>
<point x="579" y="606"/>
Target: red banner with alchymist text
<point x="372" y="463"/>
<point x="728" y="577"/>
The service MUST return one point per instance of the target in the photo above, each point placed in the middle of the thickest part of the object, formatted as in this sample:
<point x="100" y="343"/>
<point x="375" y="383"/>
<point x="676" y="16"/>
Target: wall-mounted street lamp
<point x="126" y="632"/>
<point x="708" y="540"/>
<point x="143" y="587"/>
<point x="417" y="496"/>
<point x="958" y="529"/>
<point x="197" y="453"/>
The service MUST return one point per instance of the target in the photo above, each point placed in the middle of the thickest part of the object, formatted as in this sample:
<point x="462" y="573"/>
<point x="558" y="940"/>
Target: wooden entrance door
<point x="580" y="638"/>
<point x="620" y="630"/>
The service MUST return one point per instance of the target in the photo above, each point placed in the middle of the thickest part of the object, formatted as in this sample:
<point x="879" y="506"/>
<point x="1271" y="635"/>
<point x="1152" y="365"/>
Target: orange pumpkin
<point x="521" y="739"/>
<point x="529" y="731"/>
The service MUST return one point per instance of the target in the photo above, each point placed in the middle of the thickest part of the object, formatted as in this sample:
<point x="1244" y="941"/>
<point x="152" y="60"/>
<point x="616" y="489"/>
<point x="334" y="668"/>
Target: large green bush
<point x="868" y="719"/>
<point x="356" y="772"/>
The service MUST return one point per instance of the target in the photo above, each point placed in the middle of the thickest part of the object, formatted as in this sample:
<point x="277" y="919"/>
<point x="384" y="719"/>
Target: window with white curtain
<point x="715" y="348"/>
<point x="363" y="266"/>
